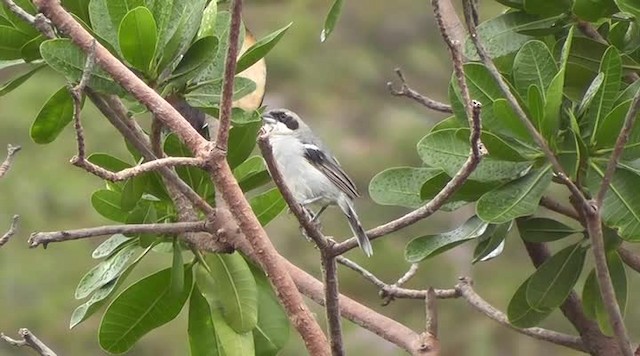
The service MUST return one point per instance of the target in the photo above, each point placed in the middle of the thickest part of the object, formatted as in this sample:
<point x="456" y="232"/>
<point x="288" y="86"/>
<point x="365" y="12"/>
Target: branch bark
<point x="29" y="340"/>
<point x="406" y="91"/>
<point x="8" y="161"/>
<point x="12" y="230"/>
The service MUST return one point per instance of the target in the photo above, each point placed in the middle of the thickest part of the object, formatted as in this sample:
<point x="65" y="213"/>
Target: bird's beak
<point x="268" y="118"/>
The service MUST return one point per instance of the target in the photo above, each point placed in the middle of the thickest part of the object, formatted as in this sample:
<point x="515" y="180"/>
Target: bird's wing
<point x="330" y="167"/>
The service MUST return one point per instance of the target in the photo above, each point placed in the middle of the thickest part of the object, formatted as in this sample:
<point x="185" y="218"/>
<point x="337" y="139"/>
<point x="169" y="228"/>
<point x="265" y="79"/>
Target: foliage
<point x="574" y="93"/>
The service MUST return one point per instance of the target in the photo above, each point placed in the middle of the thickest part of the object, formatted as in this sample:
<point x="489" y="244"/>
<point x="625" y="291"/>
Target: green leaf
<point x="331" y="19"/>
<point x="552" y="282"/>
<point x="235" y="290"/>
<point x="516" y="198"/>
<point x="260" y="49"/>
<point x="251" y="173"/>
<point x="447" y="150"/>
<point x="107" y="204"/>
<point x="546" y="8"/>
<point x="491" y="243"/>
<point x="105" y="271"/>
<point x="536" y="101"/>
<point x="56" y="113"/>
<point x="16" y="20"/>
<point x="242" y="140"/>
<point x="208" y="23"/>
<point x="272" y="331"/>
<point x="78" y="7"/>
<point x="66" y="58"/>
<point x="232" y="342"/>
<point x="588" y="54"/>
<point x="101" y="295"/>
<point x="631" y="7"/>
<point x="620" y="209"/>
<point x="106" y="16"/>
<point x="267" y="205"/>
<point x="591" y="92"/>
<point x="520" y="313"/>
<point x="195" y="177"/>
<point x="138" y="38"/>
<point x="144" y="306"/>
<point x="31" y="50"/>
<point x="108" y="162"/>
<point x="608" y="132"/>
<point x="144" y="213"/>
<point x="110" y="245"/>
<point x="468" y="192"/>
<point x="544" y="230"/>
<point x="509" y="123"/>
<point x="400" y="186"/>
<point x="177" y="269"/>
<point x="554" y="94"/>
<point x="11" y="42"/>
<point x="593" y="10"/>
<point x="603" y="100"/>
<point x="202" y="335"/>
<point x="196" y="57"/>
<point x="209" y="95"/>
<point x="424" y="247"/>
<point x="11" y="84"/>
<point x="214" y="71"/>
<point x="132" y="192"/>
<point x="500" y="35"/>
<point x="533" y="65"/>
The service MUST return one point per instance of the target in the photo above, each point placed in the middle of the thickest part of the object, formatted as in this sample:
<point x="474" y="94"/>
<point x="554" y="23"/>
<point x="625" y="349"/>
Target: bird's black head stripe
<point x="286" y="119"/>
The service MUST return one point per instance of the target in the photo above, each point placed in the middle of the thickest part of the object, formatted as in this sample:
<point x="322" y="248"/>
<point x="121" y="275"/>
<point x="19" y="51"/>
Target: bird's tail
<point x="363" y="240"/>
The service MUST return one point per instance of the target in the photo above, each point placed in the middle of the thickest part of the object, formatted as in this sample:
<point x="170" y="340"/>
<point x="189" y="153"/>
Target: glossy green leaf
<point x="491" y="243"/>
<point x="132" y="192"/>
<point x="468" y="192"/>
<point x="56" y="113"/>
<point x="16" y="20"/>
<point x="105" y="271"/>
<point x="144" y="213"/>
<point x="11" y="41"/>
<point x="252" y="173"/>
<point x="483" y="88"/>
<point x="544" y="230"/>
<point x="235" y="290"/>
<point x="195" y="177"/>
<point x="177" y="269"/>
<point x="520" y="313"/>
<point x="242" y="141"/>
<point x="629" y="6"/>
<point x="31" y="50"/>
<point x="400" y="186"/>
<point x="66" y="58"/>
<point x="552" y="282"/>
<point x="331" y="19"/>
<point x="509" y="123"/>
<point x="110" y="245"/>
<point x="603" y="100"/>
<point x="593" y="10"/>
<point x="608" y="132"/>
<point x="272" y="330"/>
<point x="424" y="247"/>
<point x="13" y="83"/>
<point x="106" y="16"/>
<point x="554" y="94"/>
<point x="209" y="95"/>
<point x="590" y="94"/>
<point x="447" y="150"/>
<point x="535" y="98"/>
<point x="232" y="342"/>
<point x="107" y="204"/>
<point x="214" y="71"/>
<point x="546" y="8"/>
<point x="260" y="49"/>
<point x="514" y="199"/>
<point x="267" y="205"/>
<point x="108" y="162"/>
<point x="533" y="65"/>
<point x="144" y="306"/>
<point x="78" y="7"/>
<point x="101" y="295"/>
<point x="196" y="57"/>
<point x="588" y="53"/>
<point x="202" y="335"/>
<point x="208" y="23"/>
<point x="138" y="38"/>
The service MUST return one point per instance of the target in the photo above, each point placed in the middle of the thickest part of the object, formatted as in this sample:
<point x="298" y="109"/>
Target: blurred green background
<point x="339" y="87"/>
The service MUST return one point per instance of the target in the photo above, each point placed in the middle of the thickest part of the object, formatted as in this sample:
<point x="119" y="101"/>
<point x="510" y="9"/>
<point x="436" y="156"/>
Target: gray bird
<point x="310" y="171"/>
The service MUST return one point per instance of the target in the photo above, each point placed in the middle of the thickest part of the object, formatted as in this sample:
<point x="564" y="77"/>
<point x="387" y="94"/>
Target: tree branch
<point x="555" y="206"/>
<point x="406" y="91"/>
<point x="332" y="302"/>
<point x="144" y="167"/>
<point x="464" y="287"/>
<point x="431" y="309"/>
<point x="222" y="140"/>
<point x="12" y="230"/>
<point x="8" y="161"/>
<point x="44" y="238"/>
<point x="29" y="340"/>
<point x="630" y="258"/>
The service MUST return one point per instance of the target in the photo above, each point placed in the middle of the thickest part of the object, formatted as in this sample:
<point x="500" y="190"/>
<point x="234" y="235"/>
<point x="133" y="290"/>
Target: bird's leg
<point x="315" y="217"/>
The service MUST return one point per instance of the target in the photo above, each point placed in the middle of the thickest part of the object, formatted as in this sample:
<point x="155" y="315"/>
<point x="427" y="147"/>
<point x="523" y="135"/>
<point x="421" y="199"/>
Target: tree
<point x="544" y="95"/>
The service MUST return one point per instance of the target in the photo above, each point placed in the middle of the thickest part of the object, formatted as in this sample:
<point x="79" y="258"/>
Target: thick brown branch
<point x="406" y="91"/>
<point x="29" y="340"/>
<point x="630" y="258"/>
<point x="6" y="164"/>
<point x="622" y="139"/>
<point x="477" y="151"/>
<point x="12" y="230"/>
<point x="44" y="238"/>
<point x="464" y="287"/>
<point x="332" y="302"/>
<point x="222" y="140"/>
<point x="556" y="206"/>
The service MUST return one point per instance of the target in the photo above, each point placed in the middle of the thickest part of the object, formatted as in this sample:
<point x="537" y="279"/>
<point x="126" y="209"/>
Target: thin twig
<point x="44" y="238"/>
<point x="126" y="173"/>
<point x="11" y="152"/>
<point x="332" y="302"/>
<point x="222" y="140"/>
<point x="38" y="21"/>
<point x="557" y="207"/>
<point x="504" y="87"/>
<point x="477" y="151"/>
<point x="622" y="139"/>
<point x="431" y="308"/>
<point x="20" y="12"/>
<point x="413" y="269"/>
<point x="406" y="91"/>
<point x="77" y="93"/>
<point x="464" y="287"/>
<point x="594" y="227"/>
<point x="12" y="230"/>
<point x="29" y="340"/>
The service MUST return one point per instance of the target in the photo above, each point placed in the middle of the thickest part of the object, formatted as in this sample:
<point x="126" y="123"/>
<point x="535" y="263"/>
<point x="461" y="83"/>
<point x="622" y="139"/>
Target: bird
<point x="310" y="171"/>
